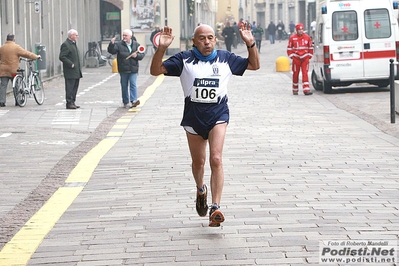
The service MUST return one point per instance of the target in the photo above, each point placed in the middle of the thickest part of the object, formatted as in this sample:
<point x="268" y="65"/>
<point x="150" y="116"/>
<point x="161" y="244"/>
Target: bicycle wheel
<point x="90" y="54"/>
<point x="18" y="87"/>
<point x="38" y="90"/>
<point x="86" y="56"/>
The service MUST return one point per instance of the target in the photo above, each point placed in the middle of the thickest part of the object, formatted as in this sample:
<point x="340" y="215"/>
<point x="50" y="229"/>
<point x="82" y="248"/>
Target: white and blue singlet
<point x="205" y="87"/>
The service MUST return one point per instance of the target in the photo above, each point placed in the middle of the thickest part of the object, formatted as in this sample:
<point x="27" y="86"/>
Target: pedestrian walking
<point x="313" y="28"/>
<point x="292" y="27"/>
<point x="69" y="56"/>
<point x="10" y="53"/>
<point x="271" y="29"/>
<point x="280" y="30"/>
<point x="237" y="38"/>
<point x="300" y="50"/>
<point x="253" y="26"/>
<point x="204" y="73"/>
<point x="128" y="58"/>
<point x="228" y="35"/>
<point x="258" y="33"/>
<point x="239" y="25"/>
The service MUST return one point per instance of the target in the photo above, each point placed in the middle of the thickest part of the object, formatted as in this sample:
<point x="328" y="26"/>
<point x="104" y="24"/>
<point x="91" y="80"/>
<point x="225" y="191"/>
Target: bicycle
<point x="26" y="87"/>
<point x="95" y="51"/>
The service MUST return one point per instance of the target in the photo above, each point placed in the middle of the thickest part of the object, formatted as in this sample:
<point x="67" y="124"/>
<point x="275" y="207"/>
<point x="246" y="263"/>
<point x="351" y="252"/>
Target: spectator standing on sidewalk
<point x="237" y="38"/>
<point x="271" y="29"/>
<point x="253" y="26"/>
<point x="10" y="53"/>
<point x="313" y="28"/>
<point x="292" y="27"/>
<point x="204" y="73"/>
<point x="128" y="59"/>
<point x="280" y="30"/>
<point x="300" y="50"/>
<point x="228" y="35"/>
<point x="69" y="56"/>
<point x="239" y="25"/>
<point x="258" y="33"/>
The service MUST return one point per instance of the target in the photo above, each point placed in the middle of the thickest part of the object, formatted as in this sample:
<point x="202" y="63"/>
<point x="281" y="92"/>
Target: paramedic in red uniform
<point x="300" y="50"/>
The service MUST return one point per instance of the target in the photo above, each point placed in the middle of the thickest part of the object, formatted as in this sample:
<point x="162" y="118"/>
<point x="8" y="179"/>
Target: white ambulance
<point x="354" y="41"/>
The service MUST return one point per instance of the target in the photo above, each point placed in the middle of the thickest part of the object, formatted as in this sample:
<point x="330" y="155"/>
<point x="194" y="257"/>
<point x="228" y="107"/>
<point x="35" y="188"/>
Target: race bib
<point x="204" y="90"/>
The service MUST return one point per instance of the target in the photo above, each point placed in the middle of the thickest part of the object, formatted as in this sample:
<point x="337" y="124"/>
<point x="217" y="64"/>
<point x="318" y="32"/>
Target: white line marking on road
<point x="93" y="86"/>
<point x="3" y="112"/>
<point x="67" y="117"/>
<point x="5" y="135"/>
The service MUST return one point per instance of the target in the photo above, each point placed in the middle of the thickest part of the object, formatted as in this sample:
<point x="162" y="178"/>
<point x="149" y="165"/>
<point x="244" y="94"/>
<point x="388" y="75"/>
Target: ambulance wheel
<point x="327" y="87"/>
<point x="317" y="85"/>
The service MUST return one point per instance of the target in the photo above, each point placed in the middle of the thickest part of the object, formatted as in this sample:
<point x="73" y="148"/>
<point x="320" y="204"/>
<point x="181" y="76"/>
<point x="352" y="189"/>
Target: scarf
<point x="204" y="58"/>
<point x="129" y="46"/>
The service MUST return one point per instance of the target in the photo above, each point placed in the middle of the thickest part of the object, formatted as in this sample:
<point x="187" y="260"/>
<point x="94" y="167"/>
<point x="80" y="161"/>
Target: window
<point x="377" y="24"/>
<point x="344" y="26"/>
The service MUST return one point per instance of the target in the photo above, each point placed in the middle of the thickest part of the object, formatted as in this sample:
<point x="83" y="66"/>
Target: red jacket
<point x="300" y="46"/>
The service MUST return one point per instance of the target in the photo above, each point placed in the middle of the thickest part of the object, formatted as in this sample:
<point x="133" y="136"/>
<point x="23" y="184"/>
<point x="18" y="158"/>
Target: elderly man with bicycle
<point x="10" y="53"/>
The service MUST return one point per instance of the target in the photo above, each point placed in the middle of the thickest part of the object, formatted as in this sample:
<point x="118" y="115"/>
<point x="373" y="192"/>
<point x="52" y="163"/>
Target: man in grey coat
<point x="69" y="56"/>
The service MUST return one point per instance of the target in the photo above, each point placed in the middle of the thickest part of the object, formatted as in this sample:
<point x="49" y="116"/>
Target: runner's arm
<point x="165" y="39"/>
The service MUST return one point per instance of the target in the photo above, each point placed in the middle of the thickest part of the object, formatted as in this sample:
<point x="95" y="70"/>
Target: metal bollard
<point x="392" y="89"/>
<point x="115" y="66"/>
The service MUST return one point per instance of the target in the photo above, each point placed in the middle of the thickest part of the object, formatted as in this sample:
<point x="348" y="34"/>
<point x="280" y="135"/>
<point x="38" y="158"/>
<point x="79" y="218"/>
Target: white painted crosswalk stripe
<point x="66" y="117"/>
<point x="3" y="112"/>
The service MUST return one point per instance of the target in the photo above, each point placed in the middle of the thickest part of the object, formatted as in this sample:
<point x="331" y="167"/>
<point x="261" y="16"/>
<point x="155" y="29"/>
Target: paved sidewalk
<point x="298" y="169"/>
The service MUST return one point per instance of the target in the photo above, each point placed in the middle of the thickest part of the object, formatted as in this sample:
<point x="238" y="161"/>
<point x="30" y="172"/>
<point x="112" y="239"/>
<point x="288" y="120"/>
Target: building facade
<point x="264" y="11"/>
<point x="182" y="15"/>
<point x="46" y="23"/>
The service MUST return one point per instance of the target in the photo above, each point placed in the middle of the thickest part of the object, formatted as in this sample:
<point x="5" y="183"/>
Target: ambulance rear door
<point x="378" y="40"/>
<point x="346" y="45"/>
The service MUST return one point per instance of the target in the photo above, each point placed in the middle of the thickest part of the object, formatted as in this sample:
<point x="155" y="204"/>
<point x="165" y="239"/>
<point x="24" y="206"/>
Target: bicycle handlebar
<point x="29" y="60"/>
<point x="30" y="64"/>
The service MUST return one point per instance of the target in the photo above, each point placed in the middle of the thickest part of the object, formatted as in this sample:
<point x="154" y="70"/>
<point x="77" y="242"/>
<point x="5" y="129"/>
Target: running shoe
<point x="201" y="202"/>
<point x="216" y="217"/>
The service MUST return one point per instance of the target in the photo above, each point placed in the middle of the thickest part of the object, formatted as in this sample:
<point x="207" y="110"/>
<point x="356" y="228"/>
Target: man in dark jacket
<point x="280" y="30"/>
<point x="237" y="38"/>
<point x="128" y="58"/>
<point x="272" y="31"/>
<point x="228" y="35"/>
<point x="69" y="56"/>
